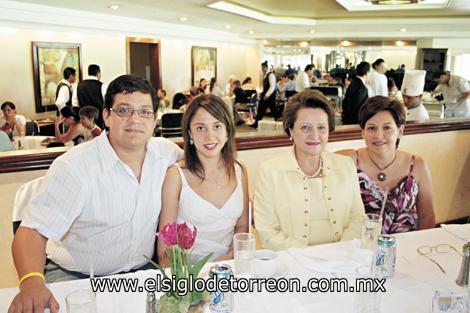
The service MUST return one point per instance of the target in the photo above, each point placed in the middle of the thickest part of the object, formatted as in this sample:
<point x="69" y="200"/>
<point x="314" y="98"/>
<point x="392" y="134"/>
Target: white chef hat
<point x="413" y="82"/>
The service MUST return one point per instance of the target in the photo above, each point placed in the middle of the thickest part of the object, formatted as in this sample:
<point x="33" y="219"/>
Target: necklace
<point x="316" y="173"/>
<point x="381" y="175"/>
<point x="218" y="185"/>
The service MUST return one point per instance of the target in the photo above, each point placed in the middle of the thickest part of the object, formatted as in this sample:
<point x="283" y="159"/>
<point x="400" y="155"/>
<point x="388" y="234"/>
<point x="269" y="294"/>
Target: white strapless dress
<point x="215" y="226"/>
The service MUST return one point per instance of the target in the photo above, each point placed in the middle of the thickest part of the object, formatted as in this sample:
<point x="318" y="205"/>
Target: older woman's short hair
<point x="378" y="104"/>
<point x="313" y="99"/>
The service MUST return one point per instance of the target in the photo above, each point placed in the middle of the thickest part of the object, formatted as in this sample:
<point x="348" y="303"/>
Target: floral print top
<point x="400" y="213"/>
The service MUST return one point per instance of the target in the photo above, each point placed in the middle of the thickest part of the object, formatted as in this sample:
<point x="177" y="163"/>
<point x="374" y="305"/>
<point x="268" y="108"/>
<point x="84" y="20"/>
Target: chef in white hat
<point x="412" y="91"/>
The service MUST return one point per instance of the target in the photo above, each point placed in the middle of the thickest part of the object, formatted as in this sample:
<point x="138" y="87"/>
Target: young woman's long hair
<point x="220" y="111"/>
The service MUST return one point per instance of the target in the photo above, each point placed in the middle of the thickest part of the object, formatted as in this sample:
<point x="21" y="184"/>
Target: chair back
<point x="5" y="142"/>
<point x="32" y="129"/>
<point x="171" y="124"/>
<point x="23" y="196"/>
<point x="249" y="93"/>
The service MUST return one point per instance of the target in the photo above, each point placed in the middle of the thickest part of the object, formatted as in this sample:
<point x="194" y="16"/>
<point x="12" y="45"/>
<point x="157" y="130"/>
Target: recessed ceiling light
<point x="403" y="30"/>
<point x="183" y="19"/>
<point x="400" y="43"/>
<point x="345" y="43"/>
<point x="303" y="44"/>
<point x="243" y="11"/>
<point x="228" y="26"/>
<point x="114" y="6"/>
<point x="312" y="31"/>
<point x="265" y="42"/>
<point x="251" y="32"/>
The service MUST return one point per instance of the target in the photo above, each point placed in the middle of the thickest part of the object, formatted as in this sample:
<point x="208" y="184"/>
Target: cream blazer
<point x="282" y="204"/>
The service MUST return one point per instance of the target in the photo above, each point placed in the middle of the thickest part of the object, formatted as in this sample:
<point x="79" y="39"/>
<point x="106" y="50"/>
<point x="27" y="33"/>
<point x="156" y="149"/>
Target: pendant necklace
<point x="381" y="175"/>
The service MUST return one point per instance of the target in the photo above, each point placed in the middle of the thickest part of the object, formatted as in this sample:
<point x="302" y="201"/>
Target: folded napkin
<point x="461" y="231"/>
<point x="344" y="257"/>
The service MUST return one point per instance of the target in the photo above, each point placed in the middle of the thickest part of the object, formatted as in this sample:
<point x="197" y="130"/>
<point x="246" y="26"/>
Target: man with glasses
<point x="99" y="206"/>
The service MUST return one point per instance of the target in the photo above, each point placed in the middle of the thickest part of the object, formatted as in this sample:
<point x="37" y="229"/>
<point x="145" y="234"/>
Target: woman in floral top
<point x="386" y="174"/>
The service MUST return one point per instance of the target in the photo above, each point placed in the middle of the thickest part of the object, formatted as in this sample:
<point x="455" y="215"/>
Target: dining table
<point x="410" y="290"/>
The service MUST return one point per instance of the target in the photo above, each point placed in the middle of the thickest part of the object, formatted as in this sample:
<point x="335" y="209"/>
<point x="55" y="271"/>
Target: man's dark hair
<point x="93" y="70"/>
<point x="90" y="112"/>
<point x="438" y="74"/>
<point x="308" y="67"/>
<point x="9" y="104"/>
<point x="128" y="84"/>
<point x="264" y="64"/>
<point x="377" y="63"/>
<point x="362" y="68"/>
<point x="69" y="71"/>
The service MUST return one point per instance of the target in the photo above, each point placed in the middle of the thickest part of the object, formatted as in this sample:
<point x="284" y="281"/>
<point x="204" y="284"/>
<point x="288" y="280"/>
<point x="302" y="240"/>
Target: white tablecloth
<point x="32" y="142"/>
<point x="411" y="289"/>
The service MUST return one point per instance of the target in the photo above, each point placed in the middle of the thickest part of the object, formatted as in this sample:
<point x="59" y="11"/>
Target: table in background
<point x="410" y="290"/>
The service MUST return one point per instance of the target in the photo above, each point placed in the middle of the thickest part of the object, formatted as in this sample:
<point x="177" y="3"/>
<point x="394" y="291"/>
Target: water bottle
<point x="150" y="303"/>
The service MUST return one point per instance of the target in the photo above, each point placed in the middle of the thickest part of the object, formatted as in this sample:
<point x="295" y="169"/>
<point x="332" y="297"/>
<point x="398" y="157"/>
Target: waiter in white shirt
<point x="456" y="92"/>
<point x="412" y="90"/>
<point x="268" y="95"/>
<point x="65" y="89"/>
<point x="377" y="79"/>
<point x="99" y="205"/>
<point x="304" y="78"/>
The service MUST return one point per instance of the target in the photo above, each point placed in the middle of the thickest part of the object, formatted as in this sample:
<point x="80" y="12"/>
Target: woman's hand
<point x="47" y="141"/>
<point x="59" y="120"/>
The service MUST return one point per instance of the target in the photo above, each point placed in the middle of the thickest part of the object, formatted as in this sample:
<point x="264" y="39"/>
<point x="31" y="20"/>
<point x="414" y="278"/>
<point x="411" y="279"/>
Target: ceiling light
<point x="303" y="44"/>
<point x="183" y="19"/>
<point x="236" y="9"/>
<point x="403" y="30"/>
<point x="388" y="2"/>
<point x="265" y="42"/>
<point x="312" y="31"/>
<point x="114" y="6"/>
<point x="345" y="43"/>
<point x="400" y="43"/>
<point x="228" y="26"/>
<point x="251" y="32"/>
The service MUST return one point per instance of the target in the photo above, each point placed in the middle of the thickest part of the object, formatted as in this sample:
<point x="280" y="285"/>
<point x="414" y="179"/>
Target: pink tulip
<point x="169" y="234"/>
<point x="186" y="236"/>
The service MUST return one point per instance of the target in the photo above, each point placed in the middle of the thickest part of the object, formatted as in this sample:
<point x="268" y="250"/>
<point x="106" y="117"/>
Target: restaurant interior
<point x="156" y="39"/>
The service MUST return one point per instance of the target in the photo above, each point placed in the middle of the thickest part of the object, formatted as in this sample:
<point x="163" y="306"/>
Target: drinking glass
<point x="244" y="246"/>
<point x="371" y="229"/>
<point x="81" y="301"/>
<point x="365" y="299"/>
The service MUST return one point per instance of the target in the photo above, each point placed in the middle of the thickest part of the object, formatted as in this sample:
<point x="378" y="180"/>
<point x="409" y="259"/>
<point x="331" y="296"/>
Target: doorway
<point x="143" y="59"/>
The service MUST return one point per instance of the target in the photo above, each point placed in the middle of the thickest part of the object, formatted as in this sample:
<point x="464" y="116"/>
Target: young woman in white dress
<point x="209" y="188"/>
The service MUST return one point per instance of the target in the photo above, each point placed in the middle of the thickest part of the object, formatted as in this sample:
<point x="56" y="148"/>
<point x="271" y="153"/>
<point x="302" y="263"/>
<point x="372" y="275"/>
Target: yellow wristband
<point x="31" y="274"/>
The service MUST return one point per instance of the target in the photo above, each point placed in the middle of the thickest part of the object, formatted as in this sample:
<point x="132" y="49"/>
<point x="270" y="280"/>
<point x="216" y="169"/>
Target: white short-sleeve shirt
<point x="95" y="212"/>
<point x="19" y="120"/>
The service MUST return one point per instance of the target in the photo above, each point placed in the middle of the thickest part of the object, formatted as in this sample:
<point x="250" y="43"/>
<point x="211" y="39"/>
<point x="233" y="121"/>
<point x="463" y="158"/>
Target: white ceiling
<point x="333" y="21"/>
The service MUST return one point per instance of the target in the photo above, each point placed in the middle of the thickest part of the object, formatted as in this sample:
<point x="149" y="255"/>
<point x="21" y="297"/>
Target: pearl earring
<point x="290" y="138"/>
<point x="191" y="142"/>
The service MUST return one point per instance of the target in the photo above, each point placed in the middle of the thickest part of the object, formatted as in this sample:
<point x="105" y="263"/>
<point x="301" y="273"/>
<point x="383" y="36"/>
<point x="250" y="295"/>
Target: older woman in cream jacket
<point x="307" y="196"/>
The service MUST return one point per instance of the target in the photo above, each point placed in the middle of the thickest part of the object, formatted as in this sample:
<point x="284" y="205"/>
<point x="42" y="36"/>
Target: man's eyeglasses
<point x="128" y="112"/>
<point x="441" y="248"/>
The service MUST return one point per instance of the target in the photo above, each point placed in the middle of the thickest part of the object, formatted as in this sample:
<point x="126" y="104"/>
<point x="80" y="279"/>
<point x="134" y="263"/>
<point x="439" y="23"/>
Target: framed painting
<point x="49" y="61"/>
<point x="203" y="64"/>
